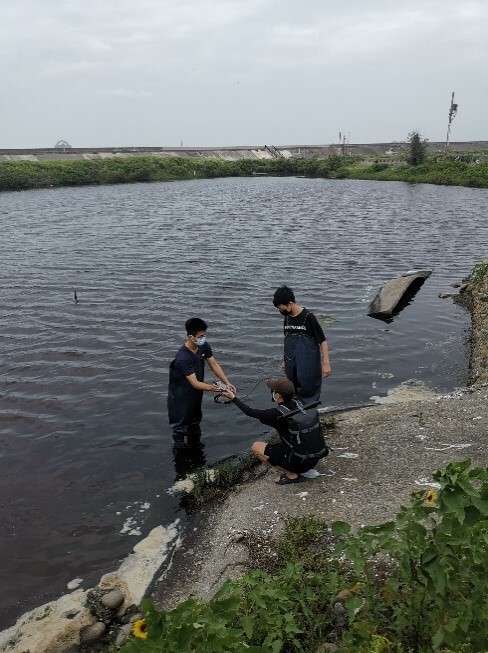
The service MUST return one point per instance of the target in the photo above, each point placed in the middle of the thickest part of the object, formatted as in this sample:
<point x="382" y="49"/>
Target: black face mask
<point x="285" y="313"/>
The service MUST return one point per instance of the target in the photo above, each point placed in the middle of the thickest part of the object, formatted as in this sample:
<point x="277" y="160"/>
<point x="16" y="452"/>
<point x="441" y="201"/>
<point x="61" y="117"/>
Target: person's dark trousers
<point x="184" y="411"/>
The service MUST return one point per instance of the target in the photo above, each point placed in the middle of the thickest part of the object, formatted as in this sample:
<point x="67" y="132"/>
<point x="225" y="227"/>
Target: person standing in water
<point x="305" y="349"/>
<point x="186" y="382"/>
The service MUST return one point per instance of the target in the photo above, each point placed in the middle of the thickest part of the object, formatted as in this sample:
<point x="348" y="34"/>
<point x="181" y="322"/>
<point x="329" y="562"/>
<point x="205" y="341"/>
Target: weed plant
<point x="209" y="485"/>
<point x="416" y="584"/>
<point x="479" y="274"/>
<point x="21" y="175"/>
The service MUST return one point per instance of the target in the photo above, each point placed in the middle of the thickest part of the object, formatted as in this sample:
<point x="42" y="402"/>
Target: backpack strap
<point x="320" y="454"/>
<point x="300" y="409"/>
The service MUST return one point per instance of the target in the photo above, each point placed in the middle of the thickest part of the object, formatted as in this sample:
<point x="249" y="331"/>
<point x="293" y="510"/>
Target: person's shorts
<point x="279" y="456"/>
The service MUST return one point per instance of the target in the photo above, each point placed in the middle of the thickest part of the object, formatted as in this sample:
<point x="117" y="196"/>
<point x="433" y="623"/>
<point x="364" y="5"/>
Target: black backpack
<point x="306" y="439"/>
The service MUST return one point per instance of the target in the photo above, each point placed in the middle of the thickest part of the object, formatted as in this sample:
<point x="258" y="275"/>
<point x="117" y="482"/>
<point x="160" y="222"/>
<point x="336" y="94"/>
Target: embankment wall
<point x="232" y="153"/>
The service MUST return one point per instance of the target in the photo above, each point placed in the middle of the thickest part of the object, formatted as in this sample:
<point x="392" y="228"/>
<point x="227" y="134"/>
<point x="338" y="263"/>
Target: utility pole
<point x="452" y="114"/>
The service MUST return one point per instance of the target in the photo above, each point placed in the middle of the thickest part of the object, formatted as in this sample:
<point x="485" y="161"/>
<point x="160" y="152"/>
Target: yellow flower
<point x="139" y="629"/>
<point x="430" y="498"/>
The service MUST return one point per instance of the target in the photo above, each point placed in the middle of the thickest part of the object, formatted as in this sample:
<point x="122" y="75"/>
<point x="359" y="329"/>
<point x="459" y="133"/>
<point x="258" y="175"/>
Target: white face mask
<point x="199" y="341"/>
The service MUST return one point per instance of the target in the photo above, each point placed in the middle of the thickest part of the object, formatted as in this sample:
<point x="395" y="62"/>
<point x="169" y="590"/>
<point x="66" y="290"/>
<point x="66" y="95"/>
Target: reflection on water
<point x="84" y="441"/>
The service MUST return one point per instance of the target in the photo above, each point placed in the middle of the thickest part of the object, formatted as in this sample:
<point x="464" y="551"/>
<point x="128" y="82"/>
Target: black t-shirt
<point x="305" y="323"/>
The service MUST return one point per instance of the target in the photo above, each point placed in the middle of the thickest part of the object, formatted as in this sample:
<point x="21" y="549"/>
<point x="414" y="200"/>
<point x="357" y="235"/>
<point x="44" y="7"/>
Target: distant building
<point x="63" y="145"/>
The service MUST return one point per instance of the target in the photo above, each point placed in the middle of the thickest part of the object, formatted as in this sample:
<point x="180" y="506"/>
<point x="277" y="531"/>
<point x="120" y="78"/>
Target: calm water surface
<point x="85" y="452"/>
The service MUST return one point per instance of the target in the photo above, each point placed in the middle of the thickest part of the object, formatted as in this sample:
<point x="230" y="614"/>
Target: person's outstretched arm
<point x="268" y="416"/>
<point x="218" y="371"/>
<point x="201" y="385"/>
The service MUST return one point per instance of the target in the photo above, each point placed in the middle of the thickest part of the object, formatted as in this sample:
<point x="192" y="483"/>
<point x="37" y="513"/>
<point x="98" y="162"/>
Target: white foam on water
<point x="411" y="390"/>
<point x="186" y="485"/>
<point x="128" y="524"/>
<point x="131" y="526"/>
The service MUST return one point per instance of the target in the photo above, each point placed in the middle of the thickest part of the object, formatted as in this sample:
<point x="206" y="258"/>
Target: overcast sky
<point x="240" y="72"/>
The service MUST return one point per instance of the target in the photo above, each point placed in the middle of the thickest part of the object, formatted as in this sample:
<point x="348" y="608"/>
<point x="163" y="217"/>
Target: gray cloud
<point x="209" y="72"/>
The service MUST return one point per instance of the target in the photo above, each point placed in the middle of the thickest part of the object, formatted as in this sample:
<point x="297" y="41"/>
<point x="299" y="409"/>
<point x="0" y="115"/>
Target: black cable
<point x="220" y="399"/>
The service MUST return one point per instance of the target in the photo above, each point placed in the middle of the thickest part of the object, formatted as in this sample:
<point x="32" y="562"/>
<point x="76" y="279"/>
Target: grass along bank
<point x="23" y="175"/>
<point x="415" y="584"/>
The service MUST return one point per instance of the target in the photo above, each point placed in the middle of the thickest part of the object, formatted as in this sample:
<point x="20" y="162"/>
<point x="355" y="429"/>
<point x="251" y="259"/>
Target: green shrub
<point x="435" y="592"/>
<point x="255" y="615"/>
<point x="479" y="274"/>
<point x="19" y="175"/>
<point x="413" y="585"/>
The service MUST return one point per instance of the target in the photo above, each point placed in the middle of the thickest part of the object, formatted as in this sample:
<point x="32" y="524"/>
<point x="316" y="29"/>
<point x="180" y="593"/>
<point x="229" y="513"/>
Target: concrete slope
<point x="390" y="295"/>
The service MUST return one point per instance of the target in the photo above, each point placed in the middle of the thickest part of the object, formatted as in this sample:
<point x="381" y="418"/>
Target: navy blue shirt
<point x="188" y="362"/>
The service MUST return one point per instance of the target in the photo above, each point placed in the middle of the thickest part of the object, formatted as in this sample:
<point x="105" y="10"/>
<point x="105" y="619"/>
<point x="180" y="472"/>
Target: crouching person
<point x="301" y="443"/>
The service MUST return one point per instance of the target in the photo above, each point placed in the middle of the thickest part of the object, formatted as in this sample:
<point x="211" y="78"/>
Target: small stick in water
<point x="76" y="298"/>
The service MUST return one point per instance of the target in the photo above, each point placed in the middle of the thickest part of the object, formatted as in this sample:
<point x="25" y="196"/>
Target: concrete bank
<point x="380" y="454"/>
<point x="232" y="153"/>
<point x="55" y="626"/>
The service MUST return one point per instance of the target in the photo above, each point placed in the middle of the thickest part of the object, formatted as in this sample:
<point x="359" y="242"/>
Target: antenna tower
<point x="452" y="114"/>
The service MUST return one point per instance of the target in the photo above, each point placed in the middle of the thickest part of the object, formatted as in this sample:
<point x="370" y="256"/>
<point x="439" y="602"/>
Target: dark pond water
<point x="85" y="452"/>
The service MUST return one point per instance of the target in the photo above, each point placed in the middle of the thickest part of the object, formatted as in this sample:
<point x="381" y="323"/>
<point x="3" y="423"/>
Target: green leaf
<point x="248" y="625"/>
<point x="428" y="556"/>
<point x="480" y="504"/>
<point x="454" y="502"/>
<point x="353" y="606"/>
<point x="438" y="638"/>
<point x="466" y="486"/>
<point x="387" y="528"/>
<point x="277" y="646"/>
<point x="341" y="527"/>
<point x="437" y="574"/>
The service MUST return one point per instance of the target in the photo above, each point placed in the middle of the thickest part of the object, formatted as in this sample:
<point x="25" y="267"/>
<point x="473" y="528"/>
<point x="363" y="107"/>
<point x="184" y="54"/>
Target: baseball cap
<point x="284" y="387"/>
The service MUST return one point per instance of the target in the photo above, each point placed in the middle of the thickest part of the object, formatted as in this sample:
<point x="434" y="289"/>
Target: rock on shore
<point x="56" y="626"/>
